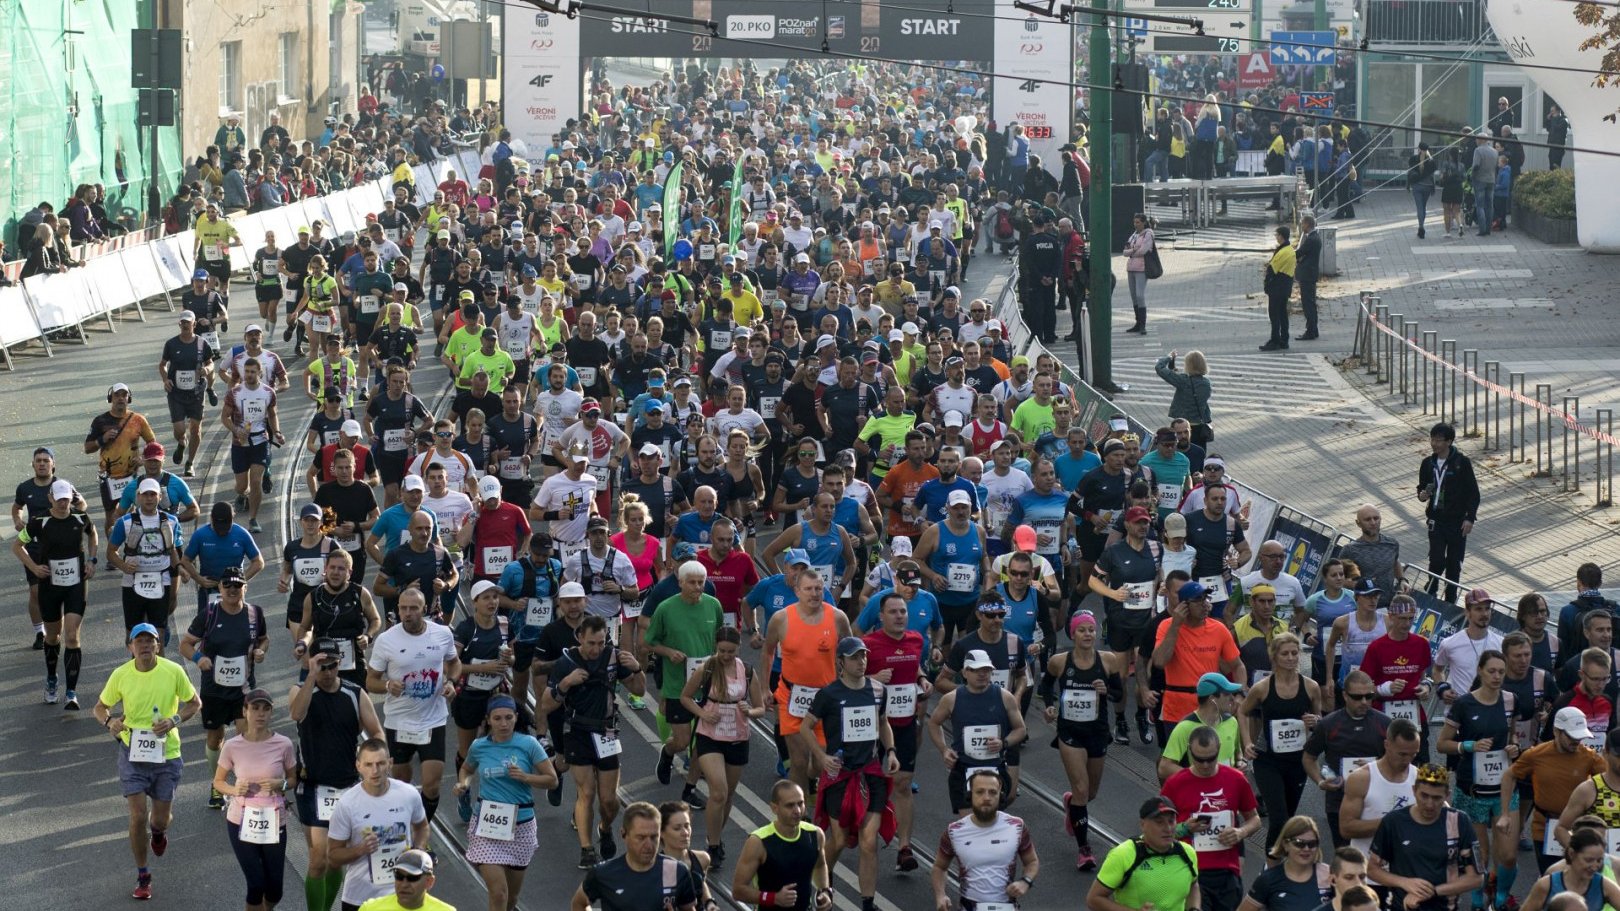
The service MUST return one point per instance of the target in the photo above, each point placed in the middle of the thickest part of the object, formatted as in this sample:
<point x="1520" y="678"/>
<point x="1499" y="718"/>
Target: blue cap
<point x="201" y="275"/>
<point x="1367" y="585"/>
<point x="795" y="556"/>
<point x="849" y="645"/>
<point x="528" y="272"/>
<point x="1212" y="683"/>
<point x="146" y="628"/>
<point x="1191" y="591"/>
<point x="310" y="511"/>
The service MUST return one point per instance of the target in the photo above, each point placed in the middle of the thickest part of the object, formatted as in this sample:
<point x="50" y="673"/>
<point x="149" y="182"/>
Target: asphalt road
<point x="64" y="842"/>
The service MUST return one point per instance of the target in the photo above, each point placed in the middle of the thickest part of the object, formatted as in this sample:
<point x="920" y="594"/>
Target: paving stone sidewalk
<point x="1322" y="439"/>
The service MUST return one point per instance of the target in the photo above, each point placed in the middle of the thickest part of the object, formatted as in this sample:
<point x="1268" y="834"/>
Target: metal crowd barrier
<point x="1429" y="373"/>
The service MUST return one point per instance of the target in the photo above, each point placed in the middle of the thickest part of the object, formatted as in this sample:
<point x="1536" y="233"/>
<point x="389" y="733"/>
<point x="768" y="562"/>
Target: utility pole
<point x="1101" y="200"/>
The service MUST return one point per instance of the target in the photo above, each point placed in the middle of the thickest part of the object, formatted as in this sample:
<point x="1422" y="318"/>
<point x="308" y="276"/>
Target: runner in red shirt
<point x="1398" y="663"/>
<point x="894" y="659"/>
<point x="497" y="533"/>
<point x="1216" y="811"/>
<point x="732" y="572"/>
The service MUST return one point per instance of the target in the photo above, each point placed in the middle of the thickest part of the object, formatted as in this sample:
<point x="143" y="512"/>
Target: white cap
<point x="581" y="458"/>
<point x="802" y="258"/>
<point x="571" y="590"/>
<point x="900" y="546"/>
<point x="651" y="448"/>
<point x="413" y="482"/>
<point x="186" y="316"/>
<point x="401" y="286"/>
<point x="824" y="341"/>
<point x="481" y="586"/>
<point x="895" y="335"/>
<point x="61" y="490"/>
<point x="976" y="659"/>
<point x="350" y="428"/>
<point x="1572" y="721"/>
<point x="634" y="226"/>
<point x="252" y="328"/>
<point x="959" y="498"/>
<point x="953" y="419"/>
<point x="910" y="328"/>
<point x="993" y="326"/>
<point x="148" y="485"/>
<point x="489" y="488"/>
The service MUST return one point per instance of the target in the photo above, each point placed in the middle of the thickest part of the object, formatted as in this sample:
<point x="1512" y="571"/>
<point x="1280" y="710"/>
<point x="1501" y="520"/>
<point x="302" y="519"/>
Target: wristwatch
<point x="1030" y="883"/>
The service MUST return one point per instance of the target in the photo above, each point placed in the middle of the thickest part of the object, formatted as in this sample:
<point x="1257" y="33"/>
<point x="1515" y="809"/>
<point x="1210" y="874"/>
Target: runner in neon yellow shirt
<point x="490" y="359"/>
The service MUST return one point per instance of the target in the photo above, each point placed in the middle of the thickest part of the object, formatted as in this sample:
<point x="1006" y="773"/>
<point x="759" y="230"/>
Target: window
<point x="288" y="70"/>
<point x="230" y="77"/>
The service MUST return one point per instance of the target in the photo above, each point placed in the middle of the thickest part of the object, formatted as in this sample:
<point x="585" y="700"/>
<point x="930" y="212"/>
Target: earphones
<point x="127" y="391"/>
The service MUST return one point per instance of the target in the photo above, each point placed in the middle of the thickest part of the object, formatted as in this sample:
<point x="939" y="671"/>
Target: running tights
<point x="263" y="866"/>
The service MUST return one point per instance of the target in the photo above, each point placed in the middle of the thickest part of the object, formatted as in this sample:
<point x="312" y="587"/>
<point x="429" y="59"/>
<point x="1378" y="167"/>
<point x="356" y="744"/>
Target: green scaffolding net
<point x="68" y="110"/>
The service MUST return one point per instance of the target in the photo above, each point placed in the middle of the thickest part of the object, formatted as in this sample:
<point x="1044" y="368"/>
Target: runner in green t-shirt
<point x="883" y="436"/>
<point x="1151" y="871"/>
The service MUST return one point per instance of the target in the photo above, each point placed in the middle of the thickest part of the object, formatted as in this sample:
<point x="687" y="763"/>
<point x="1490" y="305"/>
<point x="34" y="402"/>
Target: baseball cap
<point x="590" y="406"/>
<point x="993" y="326"/>
<point x="153" y="450"/>
<point x="232" y="575"/>
<point x="201" y="275"/>
<point x="186" y="316"/>
<point x="1477" y="596"/>
<point x="1175" y="525"/>
<point x="908" y="572"/>
<point x="1367" y="585"/>
<point x="414" y="862"/>
<point x="148" y="485"/>
<point x="252" y="329"/>
<point x="952" y="419"/>
<point x="802" y="258"/>
<point x="1262" y="588"/>
<point x="649" y="449"/>
<point x="1572" y="721"/>
<point x="849" y="645"/>
<point x="796" y="556"/>
<point x="977" y="659"/>
<point x="350" y="428"/>
<point x="825" y="341"/>
<point x="143" y="629"/>
<point x="489" y="488"/>
<point x="332" y="393"/>
<point x="258" y="695"/>
<point x="596" y="523"/>
<point x="571" y="590"/>
<point x="959" y="498"/>
<point x="895" y="335"/>
<point x="309" y="511"/>
<point x="1192" y="591"/>
<point x="413" y="482"/>
<point x="1137" y="514"/>
<point x="1212" y="683"/>
<point x="443" y="235"/>
<point x="115" y="388"/>
<point x="910" y="328"/>
<point x="481" y="586"/>
<point x="1024" y="537"/>
<point x="1157" y="806"/>
<point x="61" y="490"/>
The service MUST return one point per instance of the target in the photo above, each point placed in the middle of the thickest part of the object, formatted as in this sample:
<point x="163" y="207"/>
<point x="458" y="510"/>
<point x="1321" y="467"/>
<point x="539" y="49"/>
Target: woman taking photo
<point x="1137" y="248"/>
<point x="1076" y="689"/>
<point x="1280" y="711"/>
<point x="1279" y="285"/>
<point x="261" y="762"/>
<point x="724" y="695"/>
<point x="1191" y="400"/>
<point x="1295" y="878"/>
<point x="510" y="767"/>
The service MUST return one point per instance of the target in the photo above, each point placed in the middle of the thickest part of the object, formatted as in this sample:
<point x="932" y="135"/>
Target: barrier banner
<point x="17" y="322"/>
<point x="59" y="299"/>
<point x="339" y="215"/>
<point x="174" y="259"/>
<point x="1306" y="547"/>
<point x="108" y="284"/>
<point x="1262" y="513"/>
<point x="141" y="266"/>
<point x="426" y="185"/>
<point x="251" y="230"/>
<point x="280" y="221"/>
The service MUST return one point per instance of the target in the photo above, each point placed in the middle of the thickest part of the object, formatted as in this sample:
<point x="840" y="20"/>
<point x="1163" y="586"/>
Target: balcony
<point x="1424" y="22"/>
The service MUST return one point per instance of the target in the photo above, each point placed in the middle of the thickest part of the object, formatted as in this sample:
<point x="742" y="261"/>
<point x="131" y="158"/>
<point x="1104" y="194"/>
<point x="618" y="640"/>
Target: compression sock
<point x="315" y="895"/>
<point x="868" y="903"/>
<point x="51" y="654"/>
<point x="72" y="659"/>
<point x="334" y="888"/>
<point x="1080" y="818"/>
<point x="213" y="760"/>
<point x="431" y="805"/>
<point x="1505" y="876"/>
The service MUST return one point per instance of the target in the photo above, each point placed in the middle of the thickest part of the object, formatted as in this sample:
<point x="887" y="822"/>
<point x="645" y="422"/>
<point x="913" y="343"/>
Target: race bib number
<point x="185" y="380"/>
<point x="1489" y="767"/>
<point x="1001" y="678"/>
<point x="65" y="573"/>
<point x="1216" y="586"/>
<point x="495" y="559"/>
<point x="517" y="347"/>
<point x="1141" y="596"/>
<point x="211" y="253"/>
<point x="326" y="801"/>
<point x="538" y="612"/>
<point x="321" y="322"/>
<point x="730" y="725"/>
<point x="350" y="543"/>
<point x="693" y="665"/>
<point x="600" y="473"/>
<point x="145" y="746"/>
<point x="1169" y="495"/>
<point x="860" y="723"/>
<point x="261" y="825"/>
<point x="391" y="234"/>
<point x="582" y="282"/>
<point x="900" y="700"/>
<point x="1079" y="705"/>
<point x="382" y="863"/>
<point x="705" y="251"/>
<point x="607" y="744"/>
<point x="149" y="585"/>
<point x="1405" y="708"/>
<point x="115" y="487"/>
<point x="1287" y="735"/>
<point x="961" y="577"/>
<point x="767" y="406"/>
<point x="413" y="737"/>
<point x="395" y="440"/>
<point x="587" y="375"/>
<point x="230" y="672"/>
<point x="370" y="304"/>
<point x="496" y="821"/>
<point x="1209" y="839"/>
<point x="1550" y="845"/>
<point x="994" y="906"/>
<point x="976" y="741"/>
<point x="1350" y="763"/>
<point x="269" y="267"/>
<point x="512" y="469"/>
<point x="307" y="570"/>
<point x="632" y="609"/>
<point x="722" y="340"/>
<point x="484" y="682"/>
<point x="800" y="699"/>
<point x="345" y="654"/>
<point x="799" y="302"/>
<point x="1611" y="840"/>
<point x="1256" y="676"/>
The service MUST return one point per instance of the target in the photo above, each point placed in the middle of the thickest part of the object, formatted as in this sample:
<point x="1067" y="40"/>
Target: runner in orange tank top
<point x="807" y="634"/>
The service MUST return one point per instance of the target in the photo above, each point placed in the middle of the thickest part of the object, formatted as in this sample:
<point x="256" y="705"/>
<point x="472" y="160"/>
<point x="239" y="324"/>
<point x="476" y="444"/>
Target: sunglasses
<point x="444" y="434"/>
<point x="1359" y="697"/>
<point x="806" y="452"/>
<point x="1203" y="760"/>
<point x="1306" y="845"/>
<point x="402" y="876"/>
<point x="328" y="665"/>
<point x="233" y="585"/>
<point x="1018" y="575"/>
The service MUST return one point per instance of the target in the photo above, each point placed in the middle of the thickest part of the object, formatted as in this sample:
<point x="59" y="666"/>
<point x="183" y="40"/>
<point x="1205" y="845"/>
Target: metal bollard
<point x="1448" y="381"/>
<point x="1493" y="406"/>
<point x="1395" y="355"/>
<point x="1470" y="402"/>
<point x="1603" y="465"/>
<point x="1543" y="432"/>
<point x="1572" y="481"/>
<point x="1431" y="376"/>
<point x="1516" y="438"/>
<point x="1380" y="340"/>
<point x="1409" y="365"/>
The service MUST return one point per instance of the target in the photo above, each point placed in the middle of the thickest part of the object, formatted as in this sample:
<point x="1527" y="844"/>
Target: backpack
<point x="1142" y="857"/>
<point x="1004" y="228"/>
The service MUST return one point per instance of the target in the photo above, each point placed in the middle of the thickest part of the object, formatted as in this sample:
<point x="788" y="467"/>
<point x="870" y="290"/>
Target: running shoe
<point x="693" y="799"/>
<point x="143" y="887"/>
<point x="1144" y="727"/>
<point x="39" y="640"/>
<point x="905" y="861"/>
<point x="606" y="844"/>
<point x="241" y="502"/>
<point x="1122" y="733"/>
<point x="636" y="702"/>
<point x="464" y="806"/>
<point x="268" y="484"/>
<point x="160" y="842"/>
<point x="189" y="472"/>
<point x="179" y="456"/>
<point x="216" y="800"/>
<point x="666" y="765"/>
<point x="213" y="400"/>
<point x="717" y="855"/>
<point x="72" y="704"/>
<point x="1085" y="862"/>
<point x="50" y="691"/>
<point x="554" y="796"/>
<point x="587" y="858"/>
<point x="255" y="527"/>
<point x="286" y="334"/>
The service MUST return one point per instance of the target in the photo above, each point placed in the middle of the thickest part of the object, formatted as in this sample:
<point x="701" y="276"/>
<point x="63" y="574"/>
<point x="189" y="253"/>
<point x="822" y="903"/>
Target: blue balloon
<point x="438" y="73"/>
<point x="683" y="249"/>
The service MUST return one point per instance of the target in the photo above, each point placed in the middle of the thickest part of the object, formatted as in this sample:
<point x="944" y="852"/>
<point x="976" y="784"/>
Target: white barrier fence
<point x="46" y="305"/>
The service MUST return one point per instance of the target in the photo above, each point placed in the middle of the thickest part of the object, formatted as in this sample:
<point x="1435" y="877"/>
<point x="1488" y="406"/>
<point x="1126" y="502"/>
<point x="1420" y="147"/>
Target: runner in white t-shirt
<point x="416" y="663"/>
<point x="564" y="500"/>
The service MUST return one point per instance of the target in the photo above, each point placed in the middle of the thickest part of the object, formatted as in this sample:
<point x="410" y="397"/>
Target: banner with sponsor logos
<point x="1305" y="545"/>
<point x="1034" y="64"/>
<point x="542" y="88"/>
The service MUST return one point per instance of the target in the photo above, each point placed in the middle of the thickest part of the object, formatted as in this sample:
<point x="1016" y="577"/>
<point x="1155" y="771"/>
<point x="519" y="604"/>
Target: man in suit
<point x="1307" y="269"/>
<point x="1447" y="487"/>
